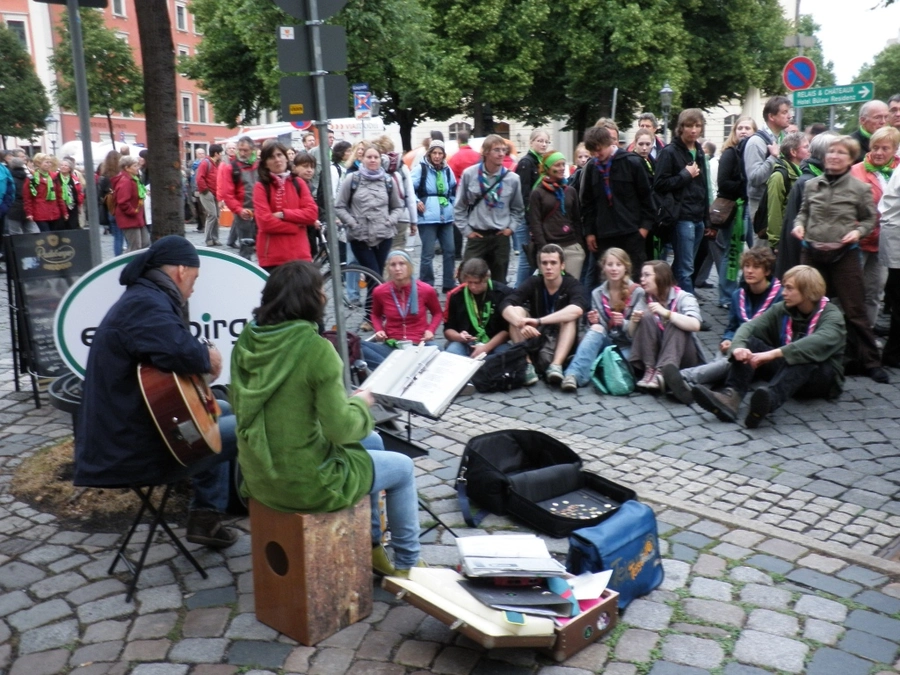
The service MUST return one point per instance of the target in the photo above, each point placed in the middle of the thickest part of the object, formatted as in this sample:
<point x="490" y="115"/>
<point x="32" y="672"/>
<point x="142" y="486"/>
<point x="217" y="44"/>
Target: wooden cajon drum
<point x="312" y="572"/>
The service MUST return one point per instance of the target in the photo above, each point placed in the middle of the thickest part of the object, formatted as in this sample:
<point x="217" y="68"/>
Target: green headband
<point x="552" y="159"/>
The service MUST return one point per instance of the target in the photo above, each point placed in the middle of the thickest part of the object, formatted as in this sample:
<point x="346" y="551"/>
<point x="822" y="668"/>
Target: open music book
<point x="423" y="379"/>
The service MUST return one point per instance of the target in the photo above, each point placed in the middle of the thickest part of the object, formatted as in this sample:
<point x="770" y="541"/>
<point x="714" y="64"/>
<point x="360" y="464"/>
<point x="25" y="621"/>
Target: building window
<point x="181" y="17"/>
<point x="729" y="123"/>
<point x="118" y="7"/>
<point x="182" y="53"/>
<point x="186" y="107"/>
<point x="502" y="130"/>
<point x="456" y="127"/>
<point x="122" y="36"/>
<point x="17" y="26"/>
<point x="201" y="107"/>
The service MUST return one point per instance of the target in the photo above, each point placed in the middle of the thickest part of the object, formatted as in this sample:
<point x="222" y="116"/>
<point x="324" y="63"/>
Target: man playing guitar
<point x="117" y="441"/>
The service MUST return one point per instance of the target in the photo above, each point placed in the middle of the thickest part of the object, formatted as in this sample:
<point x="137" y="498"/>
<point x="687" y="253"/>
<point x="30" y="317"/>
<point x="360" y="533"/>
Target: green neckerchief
<point x="779" y="137"/>
<point x="441" y="188"/>
<point x="887" y="170"/>
<point x="693" y="153"/>
<point x="141" y="190"/>
<point x="796" y="169"/>
<point x="814" y="170"/>
<point x="36" y="180"/>
<point x="736" y="245"/>
<point x="649" y="166"/>
<point x="68" y="192"/>
<point x="709" y="190"/>
<point x="865" y="134"/>
<point x="479" y="321"/>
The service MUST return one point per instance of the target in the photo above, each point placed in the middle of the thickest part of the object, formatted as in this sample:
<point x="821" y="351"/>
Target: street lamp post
<point x="51" y="124"/>
<point x="665" y="101"/>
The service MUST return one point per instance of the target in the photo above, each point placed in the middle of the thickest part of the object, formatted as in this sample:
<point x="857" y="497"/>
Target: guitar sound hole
<point x="277" y="558"/>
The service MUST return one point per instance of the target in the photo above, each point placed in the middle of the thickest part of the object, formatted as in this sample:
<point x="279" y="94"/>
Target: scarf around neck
<point x="604" y="169"/>
<point x="787" y="330"/>
<point x="68" y="190"/>
<point x="141" y="188"/>
<point x="440" y="186"/>
<point x="491" y="192"/>
<point x="369" y="174"/>
<point x="887" y="170"/>
<point x="479" y="320"/>
<point x="36" y="179"/>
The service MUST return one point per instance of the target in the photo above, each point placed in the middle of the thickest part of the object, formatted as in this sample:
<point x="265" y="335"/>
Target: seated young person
<point x="549" y="306"/>
<point x="757" y="293"/>
<point x="667" y="320"/>
<point x="399" y="311"/>
<point x="797" y="345"/>
<point x="611" y="306"/>
<point x="473" y="324"/>
<point x="303" y="445"/>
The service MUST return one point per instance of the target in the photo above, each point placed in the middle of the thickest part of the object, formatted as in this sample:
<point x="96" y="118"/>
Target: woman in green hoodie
<point x="303" y="445"/>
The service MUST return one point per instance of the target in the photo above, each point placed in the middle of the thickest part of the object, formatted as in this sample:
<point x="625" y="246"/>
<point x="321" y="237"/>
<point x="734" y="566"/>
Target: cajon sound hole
<point x="277" y="558"/>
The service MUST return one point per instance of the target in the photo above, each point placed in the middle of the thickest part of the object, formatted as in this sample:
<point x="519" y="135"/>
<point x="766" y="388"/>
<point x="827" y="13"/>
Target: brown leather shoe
<point x="723" y="405"/>
<point x="205" y="528"/>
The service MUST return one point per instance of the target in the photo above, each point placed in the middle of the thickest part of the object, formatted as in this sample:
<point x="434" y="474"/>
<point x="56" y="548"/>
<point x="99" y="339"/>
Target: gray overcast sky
<point x="851" y="32"/>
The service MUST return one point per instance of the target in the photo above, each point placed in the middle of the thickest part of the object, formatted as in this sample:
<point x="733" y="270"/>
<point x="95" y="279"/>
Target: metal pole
<point x="325" y="177"/>
<point x="831" y="117"/>
<point x="612" y="114"/>
<point x="798" y="112"/>
<point x="84" y="121"/>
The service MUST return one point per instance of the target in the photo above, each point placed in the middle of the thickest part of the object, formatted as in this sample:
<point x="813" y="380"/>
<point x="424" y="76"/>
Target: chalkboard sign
<point x="43" y="266"/>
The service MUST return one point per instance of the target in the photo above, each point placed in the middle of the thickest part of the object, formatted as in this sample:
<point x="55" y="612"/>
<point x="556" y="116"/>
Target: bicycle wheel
<point x="358" y="283"/>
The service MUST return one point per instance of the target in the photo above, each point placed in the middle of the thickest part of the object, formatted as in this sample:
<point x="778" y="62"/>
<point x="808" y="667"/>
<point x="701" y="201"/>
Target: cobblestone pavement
<point x="767" y="537"/>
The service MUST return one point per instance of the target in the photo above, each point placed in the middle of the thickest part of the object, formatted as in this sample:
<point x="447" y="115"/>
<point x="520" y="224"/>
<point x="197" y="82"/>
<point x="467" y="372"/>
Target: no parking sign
<point x="799" y="73"/>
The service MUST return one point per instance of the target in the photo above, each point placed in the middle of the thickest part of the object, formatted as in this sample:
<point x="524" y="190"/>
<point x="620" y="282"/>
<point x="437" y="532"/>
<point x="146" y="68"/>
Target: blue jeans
<point x="588" y="350"/>
<point x="372" y="257"/>
<point x="118" y="237"/>
<point x="688" y="236"/>
<point x="376" y="352"/>
<point x="461" y="349"/>
<point x="719" y="249"/>
<point x="589" y="271"/>
<point x="394" y="474"/>
<point x="211" y="477"/>
<point x="524" y="268"/>
<point x="443" y="232"/>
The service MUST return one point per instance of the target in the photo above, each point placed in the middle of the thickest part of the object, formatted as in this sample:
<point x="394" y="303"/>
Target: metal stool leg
<point x="438" y="521"/>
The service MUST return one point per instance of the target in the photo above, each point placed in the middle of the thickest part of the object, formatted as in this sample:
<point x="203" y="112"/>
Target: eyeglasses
<point x="498" y="151"/>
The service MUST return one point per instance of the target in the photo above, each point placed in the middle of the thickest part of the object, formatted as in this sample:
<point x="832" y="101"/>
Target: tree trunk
<point x="477" y="118"/>
<point x="112" y="138"/>
<point x="405" y="120"/>
<point x="163" y="161"/>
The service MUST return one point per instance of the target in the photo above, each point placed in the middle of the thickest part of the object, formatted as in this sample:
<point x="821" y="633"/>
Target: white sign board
<point x="227" y="291"/>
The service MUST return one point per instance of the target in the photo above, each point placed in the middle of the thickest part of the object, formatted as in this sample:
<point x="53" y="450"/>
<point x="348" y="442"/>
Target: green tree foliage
<point x="23" y="100"/>
<point x="884" y="71"/>
<point x="114" y="81"/>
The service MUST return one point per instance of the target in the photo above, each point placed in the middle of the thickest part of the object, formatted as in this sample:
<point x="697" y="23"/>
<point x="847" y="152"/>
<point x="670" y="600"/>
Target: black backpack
<point x="761" y="219"/>
<point x="740" y="147"/>
<point x="421" y="190"/>
<point x="504" y="371"/>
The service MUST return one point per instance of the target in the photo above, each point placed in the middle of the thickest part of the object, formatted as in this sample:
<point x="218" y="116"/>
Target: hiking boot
<point x="723" y="405"/>
<point x="679" y="388"/>
<point x="530" y="375"/>
<point x="760" y="405"/>
<point x="649" y="376"/>
<point x="569" y="383"/>
<point x="205" y="528"/>
<point x="554" y="374"/>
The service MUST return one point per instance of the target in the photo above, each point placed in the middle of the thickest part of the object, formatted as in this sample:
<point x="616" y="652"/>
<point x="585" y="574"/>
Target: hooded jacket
<point x="631" y="207"/>
<point x="298" y="434"/>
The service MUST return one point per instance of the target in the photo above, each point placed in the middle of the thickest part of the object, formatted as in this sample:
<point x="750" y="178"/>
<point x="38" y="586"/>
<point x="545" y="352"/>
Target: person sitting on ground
<point x="611" y="306"/>
<point x="797" y="345"/>
<point x="548" y="306"/>
<point x="473" y="324"/>
<point x="303" y="445"/>
<point x="399" y="311"/>
<point x="757" y="293"/>
<point x="666" y="324"/>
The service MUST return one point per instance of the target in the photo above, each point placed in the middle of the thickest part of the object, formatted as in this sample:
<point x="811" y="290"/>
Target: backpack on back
<point x="611" y="374"/>
<point x="354" y="185"/>
<point x="761" y="218"/>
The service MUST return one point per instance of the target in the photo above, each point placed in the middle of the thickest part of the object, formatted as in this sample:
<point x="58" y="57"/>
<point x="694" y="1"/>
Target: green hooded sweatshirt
<point x="298" y="434"/>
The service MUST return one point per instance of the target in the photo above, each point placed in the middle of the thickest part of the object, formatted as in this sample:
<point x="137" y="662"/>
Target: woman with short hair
<point x="130" y="193"/>
<point x="42" y="195"/>
<point x="435" y="190"/>
<point x="528" y="169"/>
<point x="323" y="454"/>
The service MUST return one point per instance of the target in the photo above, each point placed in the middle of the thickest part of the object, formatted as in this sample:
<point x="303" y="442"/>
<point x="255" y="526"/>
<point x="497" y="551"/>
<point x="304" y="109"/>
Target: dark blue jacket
<point x="116" y="441"/>
<point x="754" y="302"/>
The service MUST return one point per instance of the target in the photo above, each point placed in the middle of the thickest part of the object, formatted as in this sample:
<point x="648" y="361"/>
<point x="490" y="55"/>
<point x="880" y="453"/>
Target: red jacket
<point x="36" y="206"/>
<point x="77" y="187"/>
<point x="129" y="208"/>
<point x="869" y="243"/>
<point x="281" y="240"/>
<point x="387" y="317"/>
<point x="462" y="160"/>
<point x="207" y="176"/>
<point x="227" y="191"/>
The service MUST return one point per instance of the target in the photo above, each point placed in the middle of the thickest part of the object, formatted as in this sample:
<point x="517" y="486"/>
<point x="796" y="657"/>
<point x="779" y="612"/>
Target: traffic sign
<point x="836" y="95"/>
<point x="297" y="8"/>
<point x="359" y="87"/>
<point x="298" y="98"/>
<point x="362" y="104"/>
<point x="293" y="47"/>
<point x="799" y="73"/>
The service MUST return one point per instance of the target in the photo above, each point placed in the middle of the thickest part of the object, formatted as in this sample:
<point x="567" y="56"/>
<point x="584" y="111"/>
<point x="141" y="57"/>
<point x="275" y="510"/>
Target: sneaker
<point x="381" y="562"/>
<point x="569" y="383"/>
<point x="723" y="405"/>
<point x="530" y="375"/>
<point x="554" y="374"/>
<point x="365" y="327"/>
<point x="205" y="528"/>
<point x="878" y="374"/>
<point x="760" y="404"/>
<point x="679" y="388"/>
<point x="404" y="573"/>
<point x="656" y="383"/>
<point x="649" y="376"/>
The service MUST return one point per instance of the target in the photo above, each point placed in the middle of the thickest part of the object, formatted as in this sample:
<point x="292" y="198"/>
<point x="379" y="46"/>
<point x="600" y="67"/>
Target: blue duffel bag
<point x="625" y="543"/>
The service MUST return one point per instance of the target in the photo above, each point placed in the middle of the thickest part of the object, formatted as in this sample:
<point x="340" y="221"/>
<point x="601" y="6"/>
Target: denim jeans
<point x="118" y="237"/>
<point x="461" y="349"/>
<point x="376" y="352"/>
<point x="394" y="475"/>
<point x="443" y="232"/>
<point x="211" y="477"/>
<point x="373" y="258"/>
<point x="688" y="236"/>
<point x="718" y="249"/>
<point x="592" y="344"/>
<point x="521" y="238"/>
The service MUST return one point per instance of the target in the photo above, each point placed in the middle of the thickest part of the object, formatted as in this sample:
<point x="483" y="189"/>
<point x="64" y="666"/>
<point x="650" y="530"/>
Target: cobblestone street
<point x="773" y="540"/>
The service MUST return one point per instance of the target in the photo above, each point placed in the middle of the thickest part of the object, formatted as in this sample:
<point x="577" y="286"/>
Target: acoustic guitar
<point x="184" y="410"/>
